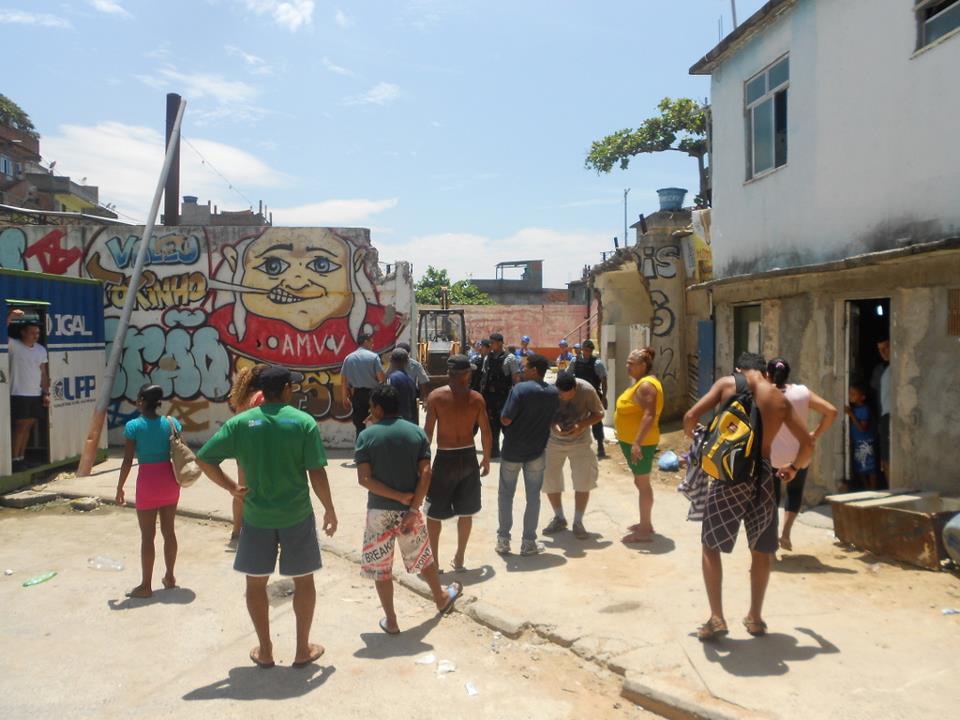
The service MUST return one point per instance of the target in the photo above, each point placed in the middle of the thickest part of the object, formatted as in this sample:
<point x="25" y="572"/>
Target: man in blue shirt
<point x="405" y="387"/>
<point x="526" y="418"/>
<point x="362" y="371"/>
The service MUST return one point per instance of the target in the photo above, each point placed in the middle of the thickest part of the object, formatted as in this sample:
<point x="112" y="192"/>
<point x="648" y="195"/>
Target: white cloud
<point x="125" y="161"/>
<point x="110" y="7"/>
<point x="380" y="94"/>
<point x="337" y="69"/>
<point x="347" y="212"/>
<point x="201" y="85"/>
<point x="21" y="17"/>
<point x="341" y="19"/>
<point x="564" y="252"/>
<point x="256" y="64"/>
<point x="292" y="14"/>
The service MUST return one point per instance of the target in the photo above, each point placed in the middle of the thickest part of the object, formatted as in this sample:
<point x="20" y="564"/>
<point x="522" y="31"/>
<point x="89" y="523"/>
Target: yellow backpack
<point x="731" y="449"/>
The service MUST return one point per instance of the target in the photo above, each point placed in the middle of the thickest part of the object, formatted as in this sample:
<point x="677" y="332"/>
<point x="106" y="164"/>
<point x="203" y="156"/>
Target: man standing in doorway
<point x="579" y="410"/>
<point x="500" y="371"/>
<point x="278" y="448"/>
<point x="362" y="371"/>
<point x="526" y="417"/>
<point x="455" y="411"/>
<point x="29" y="385"/>
<point x="752" y="502"/>
<point x="880" y="382"/>
<point x="591" y="368"/>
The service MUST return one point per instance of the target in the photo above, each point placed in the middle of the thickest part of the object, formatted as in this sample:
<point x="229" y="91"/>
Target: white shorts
<point x="583" y="467"/>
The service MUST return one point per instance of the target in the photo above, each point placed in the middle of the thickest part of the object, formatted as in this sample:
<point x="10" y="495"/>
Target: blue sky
<point x="455" y="129"/>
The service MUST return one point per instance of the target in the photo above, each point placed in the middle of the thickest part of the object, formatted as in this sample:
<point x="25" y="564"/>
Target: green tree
<point x="681" y="126"/>
<point x="462" y="292"/>
<point x="12" y="115"/>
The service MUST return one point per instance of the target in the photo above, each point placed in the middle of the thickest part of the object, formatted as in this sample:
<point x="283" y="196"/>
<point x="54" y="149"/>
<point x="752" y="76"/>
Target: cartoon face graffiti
<point x="297" y="275"/>
<point x="300" y="296"/>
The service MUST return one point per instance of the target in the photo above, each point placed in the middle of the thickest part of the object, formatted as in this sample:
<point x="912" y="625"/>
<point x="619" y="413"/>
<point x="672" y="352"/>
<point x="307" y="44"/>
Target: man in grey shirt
<point x="580" y="408"/>
<point x="362" y="371"/>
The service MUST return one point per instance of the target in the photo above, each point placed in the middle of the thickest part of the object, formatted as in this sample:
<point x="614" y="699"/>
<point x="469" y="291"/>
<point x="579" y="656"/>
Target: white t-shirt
<point x="25" y="362"/>
<point x="785" y="446"/>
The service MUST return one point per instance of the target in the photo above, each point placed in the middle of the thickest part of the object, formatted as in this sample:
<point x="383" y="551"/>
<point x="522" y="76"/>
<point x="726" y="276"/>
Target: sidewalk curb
<point x="647" y="692"/>
<point x="639" y="689"/>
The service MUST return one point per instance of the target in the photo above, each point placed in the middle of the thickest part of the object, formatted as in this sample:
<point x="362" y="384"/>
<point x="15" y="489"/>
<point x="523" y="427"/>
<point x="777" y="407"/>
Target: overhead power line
<point x="219" y="174"/>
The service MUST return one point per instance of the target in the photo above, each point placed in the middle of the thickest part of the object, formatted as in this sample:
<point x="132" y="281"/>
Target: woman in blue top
<point x="148" y="436"/>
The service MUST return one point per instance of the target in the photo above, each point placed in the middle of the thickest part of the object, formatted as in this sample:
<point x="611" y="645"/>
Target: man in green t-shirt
<point x="277" y="447"/>
<point x="393" y="464"/>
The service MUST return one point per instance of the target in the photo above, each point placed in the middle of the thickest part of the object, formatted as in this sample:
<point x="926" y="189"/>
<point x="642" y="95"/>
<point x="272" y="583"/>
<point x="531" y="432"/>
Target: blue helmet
<point x="564" y="343"/>
<point x="525" y="338"/>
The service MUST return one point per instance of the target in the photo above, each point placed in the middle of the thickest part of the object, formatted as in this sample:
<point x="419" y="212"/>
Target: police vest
<point x="586" y="370"/>
<point x="494" y="381"/>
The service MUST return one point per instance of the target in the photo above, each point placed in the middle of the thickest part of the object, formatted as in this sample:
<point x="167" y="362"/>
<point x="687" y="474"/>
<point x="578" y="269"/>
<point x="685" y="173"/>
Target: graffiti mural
<point x="659" y="262"/>
<point x="212" y="300"/>
<point x="298" y="297"/>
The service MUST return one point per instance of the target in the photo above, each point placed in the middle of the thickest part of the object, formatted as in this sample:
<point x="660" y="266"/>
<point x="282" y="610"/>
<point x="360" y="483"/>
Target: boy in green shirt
<point x="393" y="464"/>
<point x="277" y="447"/>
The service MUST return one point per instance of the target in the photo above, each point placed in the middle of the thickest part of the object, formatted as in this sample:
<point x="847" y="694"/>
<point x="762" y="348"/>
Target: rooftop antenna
<point x="733" y="8"/>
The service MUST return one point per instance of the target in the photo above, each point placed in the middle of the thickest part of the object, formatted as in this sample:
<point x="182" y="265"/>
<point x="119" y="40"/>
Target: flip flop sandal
<point x="633" y="538"/>
<point x="309" y="661"/>
<point x="712" y="629"/>
<point x="757" y="629"/>
<point x="454" y="590"/>
<point x="259" y="663"/>
<point x="383" y="626"/>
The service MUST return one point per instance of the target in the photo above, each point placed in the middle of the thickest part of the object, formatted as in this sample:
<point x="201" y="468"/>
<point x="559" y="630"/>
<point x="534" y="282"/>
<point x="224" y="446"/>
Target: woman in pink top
<point x="785" y="445"/>
<point x="243" y="395"/>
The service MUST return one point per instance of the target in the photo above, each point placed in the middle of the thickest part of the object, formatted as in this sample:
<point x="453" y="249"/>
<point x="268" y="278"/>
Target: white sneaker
<point x="531" y="547"/>
<point x="503" y="546"/>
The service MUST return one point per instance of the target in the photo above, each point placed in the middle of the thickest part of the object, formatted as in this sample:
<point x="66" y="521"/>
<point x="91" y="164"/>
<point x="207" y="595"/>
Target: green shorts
<point x="645" y="464"/>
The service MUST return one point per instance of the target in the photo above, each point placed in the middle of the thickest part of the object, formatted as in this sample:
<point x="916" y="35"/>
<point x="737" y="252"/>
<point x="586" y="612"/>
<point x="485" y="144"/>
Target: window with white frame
<point x="765" y="101"/>
<point x="936" y="18"/>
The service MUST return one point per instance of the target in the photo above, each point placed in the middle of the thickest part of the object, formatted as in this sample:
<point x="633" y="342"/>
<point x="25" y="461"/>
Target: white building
<point x="836" y="212"/>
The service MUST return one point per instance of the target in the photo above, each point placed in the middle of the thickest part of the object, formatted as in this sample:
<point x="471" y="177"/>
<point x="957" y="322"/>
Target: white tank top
<point x="785" y="445"/>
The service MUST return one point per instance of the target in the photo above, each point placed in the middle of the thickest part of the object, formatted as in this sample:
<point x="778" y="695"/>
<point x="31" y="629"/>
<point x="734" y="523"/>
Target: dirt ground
<point x="76" y="647"/>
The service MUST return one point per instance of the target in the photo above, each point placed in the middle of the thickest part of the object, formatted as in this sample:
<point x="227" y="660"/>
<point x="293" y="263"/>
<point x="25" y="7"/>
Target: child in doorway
<point x="148" y="436"/>
<point x="863" y="438"/>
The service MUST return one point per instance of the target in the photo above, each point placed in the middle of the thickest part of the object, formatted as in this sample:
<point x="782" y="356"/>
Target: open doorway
<point x="868" y="325"/>
<point x="30" y="414"/>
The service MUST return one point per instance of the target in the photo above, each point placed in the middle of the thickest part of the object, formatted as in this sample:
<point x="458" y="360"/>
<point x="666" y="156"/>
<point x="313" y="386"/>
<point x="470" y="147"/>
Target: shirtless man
<point x="455" y="411"/>
<point x="752" y="502"/>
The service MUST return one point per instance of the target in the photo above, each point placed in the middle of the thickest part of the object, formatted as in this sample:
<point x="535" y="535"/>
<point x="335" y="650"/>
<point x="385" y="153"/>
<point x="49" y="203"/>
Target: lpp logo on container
<point x="76" y="388"/>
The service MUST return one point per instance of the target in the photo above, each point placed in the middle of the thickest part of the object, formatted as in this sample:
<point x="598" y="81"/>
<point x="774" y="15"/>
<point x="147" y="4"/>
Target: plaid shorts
<point x="382" y="532"/>
<point x="752" y="503"/>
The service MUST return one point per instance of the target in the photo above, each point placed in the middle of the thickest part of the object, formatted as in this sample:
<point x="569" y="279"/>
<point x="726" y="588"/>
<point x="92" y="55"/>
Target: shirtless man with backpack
<point x="751" y="412"/>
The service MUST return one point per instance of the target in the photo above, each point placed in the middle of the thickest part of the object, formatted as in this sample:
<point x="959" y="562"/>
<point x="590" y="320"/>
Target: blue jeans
<point x="532" y="483"/>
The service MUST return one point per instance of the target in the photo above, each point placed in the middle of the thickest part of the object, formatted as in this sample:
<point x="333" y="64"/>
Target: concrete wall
<point x="645" y="286"/>
<point x="804" y="319"/>
<point x="213" y="300"/>
<point x="870" y="160"/>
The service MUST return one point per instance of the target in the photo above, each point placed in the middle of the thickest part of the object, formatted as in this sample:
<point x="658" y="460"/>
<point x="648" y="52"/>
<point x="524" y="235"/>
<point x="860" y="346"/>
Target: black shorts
<point x="455" y="484"/>
<point x="27" y="407"/>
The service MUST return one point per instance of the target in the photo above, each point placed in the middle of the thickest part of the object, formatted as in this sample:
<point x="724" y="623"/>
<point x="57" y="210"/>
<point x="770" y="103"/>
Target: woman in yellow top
<point x="637" y="422"/>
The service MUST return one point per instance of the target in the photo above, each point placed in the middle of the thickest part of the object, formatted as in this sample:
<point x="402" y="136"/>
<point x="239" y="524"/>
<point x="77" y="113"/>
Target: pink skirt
<point x="157" y="486"/>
